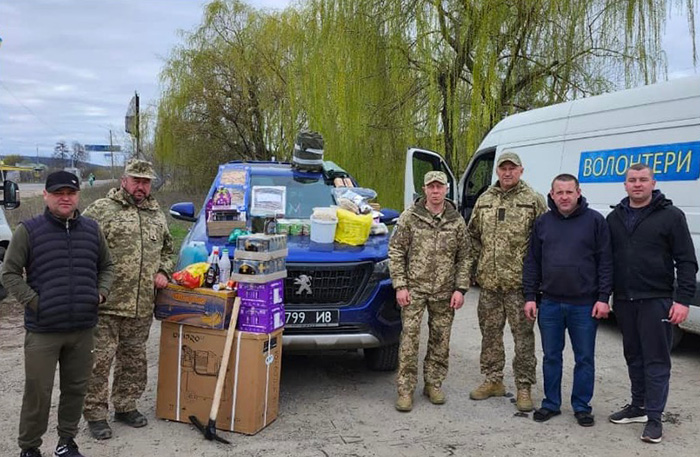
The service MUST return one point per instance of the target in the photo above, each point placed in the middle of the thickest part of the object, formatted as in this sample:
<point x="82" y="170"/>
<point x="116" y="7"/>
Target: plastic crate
<point x="268" y="294"/>
<point x="257" y="319"/>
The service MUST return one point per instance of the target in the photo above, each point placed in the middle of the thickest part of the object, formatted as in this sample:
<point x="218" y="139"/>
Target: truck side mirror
<point x="11" y="194"/>
<point x="183" y="211"/>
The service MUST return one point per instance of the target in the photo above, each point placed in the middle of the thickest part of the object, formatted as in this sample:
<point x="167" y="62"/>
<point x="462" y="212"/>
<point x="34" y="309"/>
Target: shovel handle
<point x="221" y="377"/>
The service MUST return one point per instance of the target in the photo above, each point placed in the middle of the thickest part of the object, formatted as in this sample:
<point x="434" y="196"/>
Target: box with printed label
<point x="259" y="317"/>
<point x="189" y="364"/>
<point x="200" y="307"/>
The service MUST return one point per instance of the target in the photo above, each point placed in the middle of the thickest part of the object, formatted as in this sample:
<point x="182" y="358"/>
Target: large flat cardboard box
<point x="200" y="307"/>
<point x="189" y="363"/>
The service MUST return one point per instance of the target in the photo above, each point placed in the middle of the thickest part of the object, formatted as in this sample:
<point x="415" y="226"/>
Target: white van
<point x="595" y="139"/>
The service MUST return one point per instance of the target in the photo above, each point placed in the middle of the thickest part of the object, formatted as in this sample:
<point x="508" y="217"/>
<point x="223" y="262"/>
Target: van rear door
<point x="418" y="163"/>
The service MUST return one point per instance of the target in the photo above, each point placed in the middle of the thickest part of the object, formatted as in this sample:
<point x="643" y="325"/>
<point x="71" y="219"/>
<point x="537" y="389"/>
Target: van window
<point x="423" y="163"/>
<point x="478" y="180"/>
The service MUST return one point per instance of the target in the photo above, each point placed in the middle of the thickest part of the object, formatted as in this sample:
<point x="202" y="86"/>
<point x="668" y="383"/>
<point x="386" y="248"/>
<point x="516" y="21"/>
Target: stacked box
<point x="258" y="267"/>
<point x="262" y="306"/>
<point x="200" y="307"/>
<point x="261" y="243"/>
<point x="187" y="370"/>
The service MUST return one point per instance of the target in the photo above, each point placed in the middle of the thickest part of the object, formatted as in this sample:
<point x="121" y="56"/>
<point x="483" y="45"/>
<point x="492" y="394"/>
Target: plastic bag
<point x="355" y="199"/>
<point x="192" y="276"/>
<point x="352" y="229"/>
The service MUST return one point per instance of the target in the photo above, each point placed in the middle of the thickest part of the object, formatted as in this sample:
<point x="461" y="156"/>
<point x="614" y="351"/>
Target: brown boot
<point x="404" y="403"/>
<point x="488" y="389"/>
<point x="435" y="394"/>
<point x="524" y="401"/>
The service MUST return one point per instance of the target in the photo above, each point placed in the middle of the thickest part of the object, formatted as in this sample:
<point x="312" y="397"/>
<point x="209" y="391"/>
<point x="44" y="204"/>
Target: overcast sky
<point x="68" y="68"/>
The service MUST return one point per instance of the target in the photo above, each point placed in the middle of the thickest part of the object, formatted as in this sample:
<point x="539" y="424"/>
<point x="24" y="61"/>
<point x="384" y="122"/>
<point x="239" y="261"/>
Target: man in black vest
<point x="69" y="272"/>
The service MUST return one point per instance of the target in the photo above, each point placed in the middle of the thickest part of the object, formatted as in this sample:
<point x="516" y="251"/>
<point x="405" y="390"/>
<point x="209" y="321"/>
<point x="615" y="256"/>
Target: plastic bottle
<point x="200" y="251"/>
<point x="224" y="267"/>
<point x="212" y="276"/>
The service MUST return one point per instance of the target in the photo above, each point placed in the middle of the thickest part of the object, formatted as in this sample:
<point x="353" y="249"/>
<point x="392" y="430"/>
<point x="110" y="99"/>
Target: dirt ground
<point x="330" y="405"/>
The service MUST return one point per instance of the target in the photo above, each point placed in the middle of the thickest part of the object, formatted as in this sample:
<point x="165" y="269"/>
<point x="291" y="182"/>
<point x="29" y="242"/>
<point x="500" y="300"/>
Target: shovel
<point x="209" y="431"/>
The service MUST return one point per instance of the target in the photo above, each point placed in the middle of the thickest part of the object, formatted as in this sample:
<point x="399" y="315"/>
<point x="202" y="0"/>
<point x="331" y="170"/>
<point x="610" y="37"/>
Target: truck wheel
<point x="677" y="336"/>
<point x="3" y="292"/>
<point x="385" y="358"/>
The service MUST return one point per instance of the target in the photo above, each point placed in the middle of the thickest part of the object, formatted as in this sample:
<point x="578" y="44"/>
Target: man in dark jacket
<point x="570" y="263"/>
<point x="69" y="273"/>
<point x="649" y="237"/>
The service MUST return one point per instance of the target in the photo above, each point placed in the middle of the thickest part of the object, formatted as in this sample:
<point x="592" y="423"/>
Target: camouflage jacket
<point x="499" y="232"/>
<point x="428" y="254"/>
<point x="141" y="246"/>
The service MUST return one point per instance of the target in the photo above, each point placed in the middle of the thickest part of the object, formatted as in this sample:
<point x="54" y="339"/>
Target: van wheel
<point x="385" y="358"/>
<point x="677" y="336"/>
<point x="3" y="292"/>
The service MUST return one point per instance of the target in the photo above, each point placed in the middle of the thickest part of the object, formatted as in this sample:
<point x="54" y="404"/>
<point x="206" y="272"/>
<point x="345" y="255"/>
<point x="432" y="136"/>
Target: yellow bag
<point x="353" y="229"/>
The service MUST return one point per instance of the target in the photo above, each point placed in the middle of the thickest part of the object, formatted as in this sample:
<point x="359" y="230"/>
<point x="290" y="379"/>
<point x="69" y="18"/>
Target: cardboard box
<point x="200" y="307"/>
<point x="188" y="367"/>
<point x="223" y="228"/>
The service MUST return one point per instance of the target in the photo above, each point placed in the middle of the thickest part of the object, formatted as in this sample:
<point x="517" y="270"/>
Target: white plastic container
<point x="225" y="267"/>
<point x="323" y="231"/>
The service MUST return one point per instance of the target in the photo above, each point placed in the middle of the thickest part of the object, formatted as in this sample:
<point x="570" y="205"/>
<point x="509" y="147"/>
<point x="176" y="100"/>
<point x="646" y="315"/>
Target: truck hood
<point x="302" y="250"/>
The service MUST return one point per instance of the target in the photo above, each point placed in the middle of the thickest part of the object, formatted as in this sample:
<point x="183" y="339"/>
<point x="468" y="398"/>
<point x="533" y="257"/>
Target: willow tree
<point x="224" y="94"/>
<point x="377" y="76"/>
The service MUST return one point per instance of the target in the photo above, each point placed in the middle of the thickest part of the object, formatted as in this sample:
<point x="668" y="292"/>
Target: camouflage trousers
<point x="495" y="307"/>
<point x="435" y="365"/>
<point x="122" y="340"/>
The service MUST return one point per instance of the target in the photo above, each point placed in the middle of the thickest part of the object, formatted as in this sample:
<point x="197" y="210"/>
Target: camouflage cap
<point x="435" y="176"/>
<point x="509" y="156"/>
<point x="140" y="169"/>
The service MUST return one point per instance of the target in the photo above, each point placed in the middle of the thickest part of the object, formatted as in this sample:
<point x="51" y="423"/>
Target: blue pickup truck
<point x="351" y="303"/>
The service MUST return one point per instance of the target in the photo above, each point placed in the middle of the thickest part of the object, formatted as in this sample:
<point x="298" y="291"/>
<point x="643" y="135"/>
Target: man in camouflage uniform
<point x="499" y="234"/>
<point x="142" y="248"/>
<point x="428" y="265"/>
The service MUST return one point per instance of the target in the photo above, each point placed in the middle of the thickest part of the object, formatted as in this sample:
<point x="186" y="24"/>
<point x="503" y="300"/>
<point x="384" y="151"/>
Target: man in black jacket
<point x="69" y="272"/>
<point x="570" y="263"/>
<point x="649" y="237"/>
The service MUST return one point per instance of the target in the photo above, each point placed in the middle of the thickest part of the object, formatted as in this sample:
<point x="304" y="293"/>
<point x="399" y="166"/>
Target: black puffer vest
<point x="62" y="268"/>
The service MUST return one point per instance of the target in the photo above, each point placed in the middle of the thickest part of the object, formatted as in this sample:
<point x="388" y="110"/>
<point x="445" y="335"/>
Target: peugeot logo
<point x="304" y="283"/>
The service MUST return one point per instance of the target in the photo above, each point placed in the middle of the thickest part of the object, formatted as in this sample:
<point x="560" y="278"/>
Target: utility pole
<point x="111" y="152"/>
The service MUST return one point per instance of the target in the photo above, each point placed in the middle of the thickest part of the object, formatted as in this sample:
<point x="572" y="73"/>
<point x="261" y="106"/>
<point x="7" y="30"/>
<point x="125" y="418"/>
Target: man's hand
<point x="530" y="310"/>
<point x="600" y="310"/>
<point x="403" y="297"/>
<point x="457" y="300"/>
<point x="160" y="280"/>
<point x="678" y="313"/>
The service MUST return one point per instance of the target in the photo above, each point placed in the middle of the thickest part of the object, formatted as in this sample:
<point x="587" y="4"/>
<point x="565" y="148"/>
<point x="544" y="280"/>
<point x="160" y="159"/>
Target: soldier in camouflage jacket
<point x="499" y="234"/>
<point x="428" y="266"/>
<point x="142" y="248"/>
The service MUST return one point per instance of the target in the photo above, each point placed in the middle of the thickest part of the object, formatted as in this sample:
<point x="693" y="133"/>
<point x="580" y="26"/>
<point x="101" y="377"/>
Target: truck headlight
<point x="381" y="271"/>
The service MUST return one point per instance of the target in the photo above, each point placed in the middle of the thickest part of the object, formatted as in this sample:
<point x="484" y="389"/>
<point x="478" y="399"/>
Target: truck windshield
<point x="302" y="194"/>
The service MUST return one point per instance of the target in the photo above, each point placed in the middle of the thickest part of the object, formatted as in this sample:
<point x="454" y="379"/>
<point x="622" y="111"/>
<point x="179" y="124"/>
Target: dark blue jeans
<point x="647" y="345"/>
<point x="554" y="319"/>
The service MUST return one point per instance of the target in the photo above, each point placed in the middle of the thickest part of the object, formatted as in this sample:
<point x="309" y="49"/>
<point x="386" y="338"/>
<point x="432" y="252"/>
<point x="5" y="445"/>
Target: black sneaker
<point x="131" y="418"/>
<point x="32" y="452"/>
<point x="652" y="431"/>
<point x="628" y="415"/>
<point x="67" y="448"/>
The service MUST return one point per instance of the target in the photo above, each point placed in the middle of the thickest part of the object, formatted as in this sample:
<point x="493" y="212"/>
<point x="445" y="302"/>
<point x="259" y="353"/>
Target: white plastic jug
<point x="323" y="231"/>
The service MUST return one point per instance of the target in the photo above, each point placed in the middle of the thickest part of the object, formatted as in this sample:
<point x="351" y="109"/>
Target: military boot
<point x="404" y="403"/>
<point x="524" y="401"/>
<point x="435" y="394"/>
<point x="488" y="389"/>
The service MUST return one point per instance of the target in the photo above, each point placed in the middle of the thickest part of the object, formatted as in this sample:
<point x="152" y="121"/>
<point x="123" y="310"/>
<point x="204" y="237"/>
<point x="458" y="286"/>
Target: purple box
<point x="256" y="319"/>
<point x="267" y="294"/>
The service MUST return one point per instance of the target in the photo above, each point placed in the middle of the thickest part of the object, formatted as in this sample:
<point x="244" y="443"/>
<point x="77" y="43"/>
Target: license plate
<point x="312" y="318"/>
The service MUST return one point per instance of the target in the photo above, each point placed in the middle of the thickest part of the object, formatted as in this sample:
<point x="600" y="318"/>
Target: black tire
<point x="677" y="336"/>
<point x="384" y="358"/>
